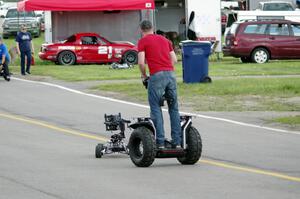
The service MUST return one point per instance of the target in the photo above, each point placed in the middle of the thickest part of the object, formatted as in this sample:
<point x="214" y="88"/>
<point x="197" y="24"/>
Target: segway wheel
<point x="98" y="150"/>
<point x="142" y="147"/>
<point x="194" y="147"/>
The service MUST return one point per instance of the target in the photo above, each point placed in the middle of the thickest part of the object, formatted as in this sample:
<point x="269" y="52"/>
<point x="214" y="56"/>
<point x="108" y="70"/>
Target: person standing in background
<point x="25" y="49"/>
<point x="4" y="60"/>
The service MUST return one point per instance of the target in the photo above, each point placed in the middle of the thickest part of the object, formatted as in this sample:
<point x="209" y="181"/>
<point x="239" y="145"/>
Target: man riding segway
<point x="160" y="56"/>
<point x="147" y="141"/>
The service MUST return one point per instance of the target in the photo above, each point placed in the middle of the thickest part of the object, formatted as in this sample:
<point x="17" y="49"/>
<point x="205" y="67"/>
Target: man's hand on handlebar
<point x="145" y="81"/>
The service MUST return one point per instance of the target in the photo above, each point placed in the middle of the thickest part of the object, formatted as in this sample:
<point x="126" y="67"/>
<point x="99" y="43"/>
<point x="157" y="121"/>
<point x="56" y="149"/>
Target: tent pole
<point x="154" y="19"/>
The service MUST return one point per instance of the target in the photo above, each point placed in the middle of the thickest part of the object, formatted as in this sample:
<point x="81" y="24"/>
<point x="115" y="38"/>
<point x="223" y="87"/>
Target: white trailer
<point x="207" y="21"/>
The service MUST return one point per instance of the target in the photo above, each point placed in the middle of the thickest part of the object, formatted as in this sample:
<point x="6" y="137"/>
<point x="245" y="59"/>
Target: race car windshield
<point x="103" y="41"/>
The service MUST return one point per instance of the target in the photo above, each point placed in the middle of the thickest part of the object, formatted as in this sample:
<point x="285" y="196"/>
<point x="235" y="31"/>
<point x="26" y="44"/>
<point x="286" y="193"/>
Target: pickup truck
<point x="14" y="19"/>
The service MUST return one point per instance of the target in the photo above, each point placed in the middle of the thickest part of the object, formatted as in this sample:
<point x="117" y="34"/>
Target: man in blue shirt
<point x="24" y="48"/>
<point x="4" y="60"/>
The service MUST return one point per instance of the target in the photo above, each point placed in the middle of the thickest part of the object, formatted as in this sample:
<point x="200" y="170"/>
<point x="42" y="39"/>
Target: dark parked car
<point x="259" y="41"/>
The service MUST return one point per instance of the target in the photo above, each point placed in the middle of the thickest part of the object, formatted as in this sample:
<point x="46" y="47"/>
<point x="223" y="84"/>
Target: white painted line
<point x="147" y="107"/>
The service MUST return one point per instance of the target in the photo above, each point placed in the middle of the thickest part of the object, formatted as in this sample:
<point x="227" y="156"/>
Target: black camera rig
<point x="116" y="143"/>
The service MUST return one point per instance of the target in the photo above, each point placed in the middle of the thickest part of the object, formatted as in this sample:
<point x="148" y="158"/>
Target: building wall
<point x="167" y="19"/>
<point x="113" y="26"/>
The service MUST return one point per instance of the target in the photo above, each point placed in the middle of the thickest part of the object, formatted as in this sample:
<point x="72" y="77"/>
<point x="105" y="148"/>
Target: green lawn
<point x="293" y="120"/>
<point x="225" y="68"/>
<point x="250" y="94"/>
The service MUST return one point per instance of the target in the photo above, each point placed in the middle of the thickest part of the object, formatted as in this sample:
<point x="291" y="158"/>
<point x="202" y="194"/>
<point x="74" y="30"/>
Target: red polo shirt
<point x="157" y="51"/>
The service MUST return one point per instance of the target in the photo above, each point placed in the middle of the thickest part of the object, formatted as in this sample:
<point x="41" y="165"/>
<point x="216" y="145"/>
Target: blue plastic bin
<point x="195" y="61"/>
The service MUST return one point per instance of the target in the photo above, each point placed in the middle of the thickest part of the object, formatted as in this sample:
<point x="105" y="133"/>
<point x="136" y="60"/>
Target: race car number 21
<point x="103" y="50"/>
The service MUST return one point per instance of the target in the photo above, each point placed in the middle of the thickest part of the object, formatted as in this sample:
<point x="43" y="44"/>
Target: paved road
<point x="48" y="135"/>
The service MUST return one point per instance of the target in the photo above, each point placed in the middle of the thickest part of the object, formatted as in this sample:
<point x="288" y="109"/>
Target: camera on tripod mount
<point x="112" y="122"/>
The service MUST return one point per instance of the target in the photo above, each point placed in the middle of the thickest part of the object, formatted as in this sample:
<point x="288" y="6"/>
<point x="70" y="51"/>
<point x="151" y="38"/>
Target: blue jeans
<point x="28" y="55"/>
<point x="164" y="83"/>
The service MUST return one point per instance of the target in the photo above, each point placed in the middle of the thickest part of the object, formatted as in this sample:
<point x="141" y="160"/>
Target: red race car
<point x="89" y="48"/>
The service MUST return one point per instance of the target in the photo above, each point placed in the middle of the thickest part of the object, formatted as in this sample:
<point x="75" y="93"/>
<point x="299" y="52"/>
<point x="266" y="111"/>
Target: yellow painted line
<point x="103" y="139"/>
<point x="49" y="126"/>
<point x="250" y="170"/>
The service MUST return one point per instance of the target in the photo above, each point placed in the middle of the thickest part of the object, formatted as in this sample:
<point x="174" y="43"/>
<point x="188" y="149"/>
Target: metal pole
<point x="154" y="19"/>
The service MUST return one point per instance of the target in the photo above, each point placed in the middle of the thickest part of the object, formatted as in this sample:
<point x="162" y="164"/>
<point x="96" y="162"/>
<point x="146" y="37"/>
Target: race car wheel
<point x="130" y="57"/>
<point x="66" y="58"/>
<point x="194" y="147"/>
<point x="142" y="147"/>
<point x="260" y="55"/>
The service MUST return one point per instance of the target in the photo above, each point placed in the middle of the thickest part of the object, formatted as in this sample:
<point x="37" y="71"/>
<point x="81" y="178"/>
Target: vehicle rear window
<point x="71" y="38"/>
<point x="278" y="7"/>
<point x="296" y="29"/>
<point x="279" y="29"/>
<point x="255" y="29"/>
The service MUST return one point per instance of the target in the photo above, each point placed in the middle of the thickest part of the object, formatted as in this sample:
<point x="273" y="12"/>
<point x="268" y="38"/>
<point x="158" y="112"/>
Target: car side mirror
<point x="39" y="15"/>
<point x="2" y="16"/>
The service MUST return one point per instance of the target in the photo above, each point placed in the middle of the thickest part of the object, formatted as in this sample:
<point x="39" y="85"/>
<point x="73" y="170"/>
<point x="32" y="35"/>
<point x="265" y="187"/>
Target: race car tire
<point x="66" y="58"/>
<point x="194" y="147"/>
<point x="130" y="57"/>
<point x="142" y="147"/>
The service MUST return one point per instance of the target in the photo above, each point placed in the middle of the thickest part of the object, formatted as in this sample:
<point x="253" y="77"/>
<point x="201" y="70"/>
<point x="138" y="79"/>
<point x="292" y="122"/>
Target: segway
<point x="116" y="144"/>
<point x="142" y="144"/>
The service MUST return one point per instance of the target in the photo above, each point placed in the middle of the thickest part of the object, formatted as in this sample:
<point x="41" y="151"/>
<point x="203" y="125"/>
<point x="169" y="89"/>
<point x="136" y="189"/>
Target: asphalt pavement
<point x="48" y="136"/>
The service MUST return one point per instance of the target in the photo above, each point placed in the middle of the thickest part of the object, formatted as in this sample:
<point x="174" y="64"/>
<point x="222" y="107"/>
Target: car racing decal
<point x="66" y="47"/>
<point x="118" y="50"/>
<point x="102" y="50"/>
<point x="109" y="52"/>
